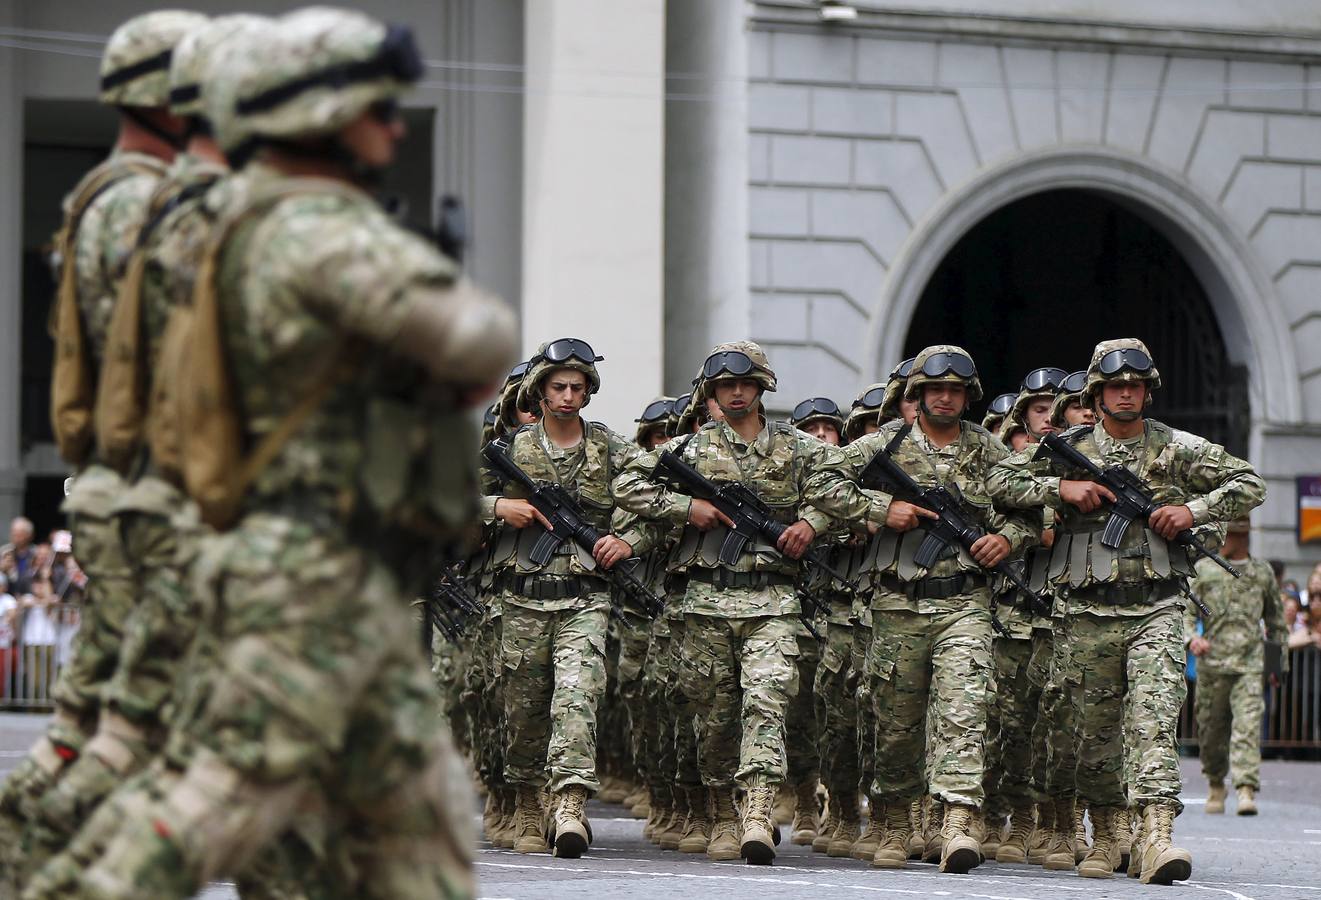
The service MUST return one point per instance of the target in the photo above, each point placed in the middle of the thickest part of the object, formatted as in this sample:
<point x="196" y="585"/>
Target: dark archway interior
<point x="1040" y="281"/>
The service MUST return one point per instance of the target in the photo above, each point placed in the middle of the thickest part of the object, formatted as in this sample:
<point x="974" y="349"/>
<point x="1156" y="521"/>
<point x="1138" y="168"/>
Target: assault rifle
<point x="452" y="604"/>
<point x="751" y="516"/>
<point x="953" y="525"/>
<point x="1133" y="500"/>
<point x="568" y="523"/>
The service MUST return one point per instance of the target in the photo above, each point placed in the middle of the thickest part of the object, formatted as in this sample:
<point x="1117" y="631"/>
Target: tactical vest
<point x="74" y="379"/>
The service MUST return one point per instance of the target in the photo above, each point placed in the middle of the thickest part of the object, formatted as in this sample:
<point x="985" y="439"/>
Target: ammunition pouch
<point x="933" y="588"/>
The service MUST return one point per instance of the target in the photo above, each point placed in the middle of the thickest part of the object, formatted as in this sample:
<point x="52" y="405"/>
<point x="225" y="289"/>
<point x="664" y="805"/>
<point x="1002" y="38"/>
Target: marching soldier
<point x="1068" y="409"/>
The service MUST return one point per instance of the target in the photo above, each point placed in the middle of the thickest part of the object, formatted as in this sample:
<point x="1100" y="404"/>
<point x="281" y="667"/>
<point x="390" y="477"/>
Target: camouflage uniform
<point x="1124" y="622"/>
<point x="1229" y="699"/>
<point x="318" y="702"/>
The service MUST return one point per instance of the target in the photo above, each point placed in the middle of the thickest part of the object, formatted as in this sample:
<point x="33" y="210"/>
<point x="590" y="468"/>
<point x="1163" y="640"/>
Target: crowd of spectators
<point x="1302" y="610"/>
<point x="41" y="588"/>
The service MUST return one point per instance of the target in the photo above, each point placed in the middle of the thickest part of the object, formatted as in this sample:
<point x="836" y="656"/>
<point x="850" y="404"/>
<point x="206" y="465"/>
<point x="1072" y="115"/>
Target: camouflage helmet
<point x="951" y="359"/>
<point x="1042" y="383"/>
<point x="818" y="409"/>
<point x="507" y="403"/>
<point x="198" y="58"/>
<point x="492" y="427"/>
<point x="894" y="390"/>
<point x="316" y="71"/>
<point x="656" y="414"/>
<point x="561" y="353"/>
<point x="694" y="411"/>
<point x="1121" y="359"/>
<point x="135" y="67"/>
<point x="866" y="406"/>
<point x="723" y="356"/>
<point x="1070" y="392"/>
<point x="997" y="410"/>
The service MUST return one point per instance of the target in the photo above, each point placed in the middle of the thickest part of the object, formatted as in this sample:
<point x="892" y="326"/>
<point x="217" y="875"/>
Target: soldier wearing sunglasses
<point x="1123" y="605"/>
<point x="740" y="620"/>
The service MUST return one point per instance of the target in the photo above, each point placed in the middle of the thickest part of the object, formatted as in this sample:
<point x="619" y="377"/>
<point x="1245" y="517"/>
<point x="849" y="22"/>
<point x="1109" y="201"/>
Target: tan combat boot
<point x="758" y="844"/>
<point x="1247" y="801"/>
<point x="504" y="829"/>
<point x="1060" y="854"/>
<point x="807" y="814"/>
<point x="1139" y="846"/>
<point x="994" y="832"/>
<point x="668" y="835"/>
<point x="572" y="832"/>
<point x="661" y="804"/>
<point x="826" y="833"/>
<point x="1041" y="837"/>
<point x="529" y="830"/>
<point x="1162" y="862"/>
<point x="639" y="803"/>
<point x="1103" y="857"/>
<point x="1079" y="832"/>
<point x="783" y="813"/>
<point x="934" y="837"/>
<point x="1215" y="799"/>
<point x="961" y="851"/>
<point x="613" y="790"/>
<point x="1022" y="821"/>
<point x="846" y="833"/>
<point x="865" y="846"/>
<point x="491" y="816"/>
<point x="917" y="841"/>
<point x="724" y="844"/>
<point x="1124" y="837"/>
<point x="697" y="827"/>
<point x="893" y="852"/>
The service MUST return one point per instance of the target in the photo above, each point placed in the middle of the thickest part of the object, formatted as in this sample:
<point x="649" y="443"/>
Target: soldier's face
<point x="945" y="398"/>
<point x="372" y="138"/>
<point x="871" y="426"/>
<point x="823" y="431"/>
<point x="525" y="418"/>
<point x="735" y="395"/>
<point x="1018" y="440"/>
<point x="654" y="438"/>
<point x="908" y="409"/>
<point x="1038" y="417"/>
<point x="564" y="392"/>
<point x="1077" y="414"/>
<point x="1124" y="396"/>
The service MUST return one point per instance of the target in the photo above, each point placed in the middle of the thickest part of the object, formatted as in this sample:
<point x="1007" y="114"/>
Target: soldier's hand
<point x="1198" y="645"/>
<point x="1086" y="495"/>
<point x="990" y="550"/>
<point x="1048" y="538"/>
<point x="704" y="516"/>
<point x="610" y="550"/>
<point x="519" y="513"/>
<point x="796" y="539"/>
<point x="904" y="516"/>
<point x="1168" y="521"/>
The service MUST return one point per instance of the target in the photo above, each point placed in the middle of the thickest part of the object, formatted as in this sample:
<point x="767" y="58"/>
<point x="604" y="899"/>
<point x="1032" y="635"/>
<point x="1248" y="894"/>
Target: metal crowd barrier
<point x="41" y="646"/>
<point x="1293" y="709"/>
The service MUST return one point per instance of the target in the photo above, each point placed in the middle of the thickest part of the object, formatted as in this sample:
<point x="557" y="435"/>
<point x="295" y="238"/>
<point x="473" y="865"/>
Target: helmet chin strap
<point x="734" y="413"/>
<point x="936" y="418"/>
<point x="1125" y="416"/>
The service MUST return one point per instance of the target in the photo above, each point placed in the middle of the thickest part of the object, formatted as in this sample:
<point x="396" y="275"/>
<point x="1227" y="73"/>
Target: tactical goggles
<point x="158" y="63"/>
<point x="1046" y="378"/>
<point x="490" y="417"/>
<point x="1074" y="382"/>
<point x="565" y="349"/>
<point x="656" y="411"/>
<point x="729" y="362"/>
<point x="397" y="59"/>
<point x="817" y="406"/>
<point x="1129" y="358"/>
<point x="1001" y="405"/>
<point x="903" y="371"/>
<point x="872" y="399"/>
<point x="680" y="405"/>
<point x="938" y="364"/>
<point x="516" y="372"/>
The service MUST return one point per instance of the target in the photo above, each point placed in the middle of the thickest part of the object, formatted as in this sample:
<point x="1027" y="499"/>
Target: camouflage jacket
<point x="1178" y="467"/>
<point x="962" y="466"/>
<point x="586" y="470"/>
<point x="315" y="286"/>
<point x="1238" y="607"/>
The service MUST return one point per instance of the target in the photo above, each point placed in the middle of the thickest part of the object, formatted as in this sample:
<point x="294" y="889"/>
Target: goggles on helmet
<point x="656" y="411"/>
<point x="490" y="417"/>
<point x="1001" y="405"/>
<point x="565" y="349"/>
<point x="872" y="399"/>
<point x="819" y="406"/>
<point x="158" y="63"/>
<point x="905" y="369"/>
<point x="680" y="404"/>
<point x="397" y="58"/>
<point x="1046" y="378"/>
<point x="1074" y="382"/>
<point x="938" y="364"/>
<point x="1129" y="358"/>
<point x="731" y="362"/>
<point x="516" y="372"/>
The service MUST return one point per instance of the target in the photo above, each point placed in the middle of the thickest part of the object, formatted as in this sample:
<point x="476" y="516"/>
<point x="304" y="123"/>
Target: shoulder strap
<point x="898" y="438"/>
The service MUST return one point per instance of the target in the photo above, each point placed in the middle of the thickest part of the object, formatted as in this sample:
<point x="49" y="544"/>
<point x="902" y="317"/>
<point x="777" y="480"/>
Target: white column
<point x="11" y="269"/>
<point x="593" y="185"/>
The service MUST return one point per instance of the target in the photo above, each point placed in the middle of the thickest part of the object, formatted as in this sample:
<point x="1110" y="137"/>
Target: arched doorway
<point x="1040" y="280"/>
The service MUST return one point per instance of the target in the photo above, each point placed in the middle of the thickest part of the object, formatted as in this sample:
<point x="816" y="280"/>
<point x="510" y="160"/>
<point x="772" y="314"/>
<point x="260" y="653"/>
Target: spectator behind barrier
<point x="19" y="556"/>
<point x="1311" y="637"/>
<point x="8" y="646"/>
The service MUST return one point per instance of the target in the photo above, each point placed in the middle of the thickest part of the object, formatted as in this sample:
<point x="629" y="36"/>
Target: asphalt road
<point x="1274" y="856"/>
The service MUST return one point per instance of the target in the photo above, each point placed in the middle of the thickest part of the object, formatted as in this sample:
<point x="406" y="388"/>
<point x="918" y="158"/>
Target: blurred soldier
<point x="739" y="643"/>
<point x="1229" y="666"/>
<point x="555" y="615"/>
<point x="930" y="655"/>
<point x="896" y="403"/>
<point x="654" y="423"/>
<point x="1124" y="619"/>
<point x="333" y="316"/>
<point x="865" y="412"/>
<point x="1033" y="404"/>
<point x="102" y="216"/>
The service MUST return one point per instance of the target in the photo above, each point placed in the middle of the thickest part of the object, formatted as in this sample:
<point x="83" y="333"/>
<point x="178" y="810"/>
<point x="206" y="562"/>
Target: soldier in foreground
<point x="332" y="316"/>
<point x="1123" y="613"/>
<point x="1230" y="663"/>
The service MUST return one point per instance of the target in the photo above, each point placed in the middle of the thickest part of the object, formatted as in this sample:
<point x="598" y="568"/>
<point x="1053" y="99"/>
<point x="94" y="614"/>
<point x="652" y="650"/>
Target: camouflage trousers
<point x="656" y="724"/>
<point x="740" y="675"/>
<point x="836" y="695"/>
<point x="554" y="674"/>
<point x="1014" y="744"/>
<point x="1125" y="688"/>
<point x="1230" y="706"/>
<point x="449" y="664"/>
<point x="483" y="698"/>
<point x="801" y="728"/>
<point x="684" y="723"/>
<point x="930" y="670"/>
<point x="866" y="737"/>
<point x="627" y="653"/>
<point x="316" y="706"/>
